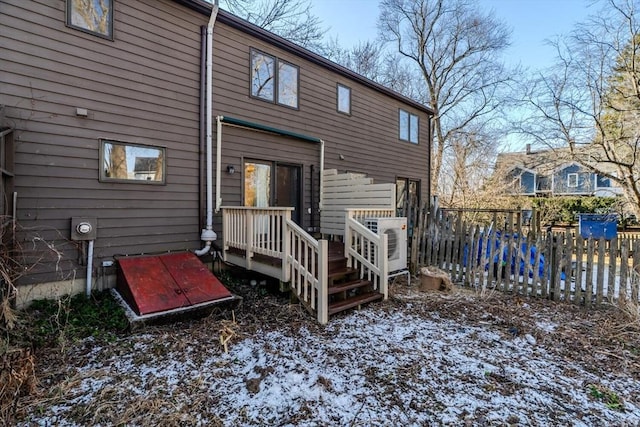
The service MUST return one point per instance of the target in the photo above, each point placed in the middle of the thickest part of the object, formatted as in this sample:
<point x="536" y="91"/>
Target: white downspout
<point x="89" y="284"/>
<point x="218" y="162"/>
<point x="321" y="174"/>
<point x="208" y="235"/>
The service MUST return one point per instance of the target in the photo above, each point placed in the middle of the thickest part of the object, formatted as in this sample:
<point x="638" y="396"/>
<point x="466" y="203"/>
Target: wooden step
<point x="354" y="301"/>
<point x="339" y="274"/>
<point x="337" y="263"/>
<point x="355" y="284"/>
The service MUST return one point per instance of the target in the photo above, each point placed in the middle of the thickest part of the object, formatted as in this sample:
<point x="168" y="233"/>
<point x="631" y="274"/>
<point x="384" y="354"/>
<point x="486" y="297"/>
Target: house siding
<point x="144" y="88"/>
<point x="367" y="139"/>
<point x="585" y="181"/>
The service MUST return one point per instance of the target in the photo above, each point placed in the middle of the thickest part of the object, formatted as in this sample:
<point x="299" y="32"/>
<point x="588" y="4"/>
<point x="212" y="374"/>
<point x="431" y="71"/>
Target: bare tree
<point x="455" y="48"/>
<point x="590" y="101"/>
<point x="466" y="171"/>
<point x="290" y="19"/>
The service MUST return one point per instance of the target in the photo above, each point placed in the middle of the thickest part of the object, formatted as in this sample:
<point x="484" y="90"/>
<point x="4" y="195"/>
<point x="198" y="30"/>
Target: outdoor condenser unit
<point x="396" y="229"/>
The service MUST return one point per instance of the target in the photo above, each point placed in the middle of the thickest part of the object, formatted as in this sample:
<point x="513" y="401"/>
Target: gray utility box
<point x="83" y="228"/>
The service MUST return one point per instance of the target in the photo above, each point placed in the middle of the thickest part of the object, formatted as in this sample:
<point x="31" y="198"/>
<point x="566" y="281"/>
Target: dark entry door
<point x="288" y="189"/>
<point x="264" y="188"/>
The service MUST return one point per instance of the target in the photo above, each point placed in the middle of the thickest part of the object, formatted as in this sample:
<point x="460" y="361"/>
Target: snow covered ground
<point x="418" y="359"/>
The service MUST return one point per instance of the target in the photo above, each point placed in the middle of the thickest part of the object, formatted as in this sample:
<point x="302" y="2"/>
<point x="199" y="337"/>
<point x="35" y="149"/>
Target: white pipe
<point x="89" y="267"/>
<point x="208" y="235"/>
<point x="321" y="173"/>
<point x="218" y="162"/>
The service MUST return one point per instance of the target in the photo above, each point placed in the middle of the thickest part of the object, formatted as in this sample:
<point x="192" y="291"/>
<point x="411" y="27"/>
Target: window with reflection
<point x="126" y="162"/>
<point x="344" y="99"/>
<point x="274" y="80"/>
<point x="287" y="85"/>
<point x="409" y="126"/>
<point x="262" y="75"/>
<point x="91" y="16"/>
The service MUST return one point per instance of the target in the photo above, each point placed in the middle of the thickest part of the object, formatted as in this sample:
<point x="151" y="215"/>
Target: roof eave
<point x="275" y="40"/>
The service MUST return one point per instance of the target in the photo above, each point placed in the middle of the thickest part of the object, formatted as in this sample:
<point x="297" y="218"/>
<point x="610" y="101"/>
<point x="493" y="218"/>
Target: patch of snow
<point x="371" y="367"/>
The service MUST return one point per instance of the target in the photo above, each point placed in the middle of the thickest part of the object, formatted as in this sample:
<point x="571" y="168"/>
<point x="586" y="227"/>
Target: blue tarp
<point x="502" y="260"/>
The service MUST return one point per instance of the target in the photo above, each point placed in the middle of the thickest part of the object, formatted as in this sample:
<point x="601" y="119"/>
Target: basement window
<point x="91" y="16"/>
<point x="124" y="162"/>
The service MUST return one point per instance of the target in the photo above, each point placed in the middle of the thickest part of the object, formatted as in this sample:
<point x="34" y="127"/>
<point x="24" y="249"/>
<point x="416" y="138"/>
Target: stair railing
<point x="368" y="253"/>
<point x="307" y="264"/>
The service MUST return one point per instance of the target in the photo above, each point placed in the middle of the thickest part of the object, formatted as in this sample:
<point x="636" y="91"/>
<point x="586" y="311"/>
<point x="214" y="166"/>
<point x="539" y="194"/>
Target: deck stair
<point x="346" y="290"/>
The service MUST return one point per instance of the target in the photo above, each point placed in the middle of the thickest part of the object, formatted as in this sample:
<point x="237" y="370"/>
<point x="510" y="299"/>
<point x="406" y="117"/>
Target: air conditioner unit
<point x="396" y="229"/>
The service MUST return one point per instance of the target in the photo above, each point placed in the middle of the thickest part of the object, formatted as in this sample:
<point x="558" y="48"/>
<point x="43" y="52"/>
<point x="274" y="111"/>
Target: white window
<point x="269" y="73"/>
<point x="572" y="180"/>
<point x="409" y="126"/>
<point x="344" y="99"/>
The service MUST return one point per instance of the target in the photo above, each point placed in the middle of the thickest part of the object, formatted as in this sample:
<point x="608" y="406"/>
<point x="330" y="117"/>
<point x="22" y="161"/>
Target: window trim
<point x="410" y="119"/>
<point x="68" y="16"/>
<point x="338" y="87"/>
<point x="573" y="175"/>
<point x="101" y="172"/>
<point x="276" y="79"/>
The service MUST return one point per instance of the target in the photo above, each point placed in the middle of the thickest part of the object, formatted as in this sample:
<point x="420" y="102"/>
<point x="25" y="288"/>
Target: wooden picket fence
<point x="549" y="264"/>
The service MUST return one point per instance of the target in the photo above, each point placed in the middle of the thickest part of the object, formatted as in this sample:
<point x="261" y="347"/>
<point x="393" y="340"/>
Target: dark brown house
<point x="108" y="117"/>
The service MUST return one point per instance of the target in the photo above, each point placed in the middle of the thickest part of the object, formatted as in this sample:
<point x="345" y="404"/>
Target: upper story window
<point x="603" y="181"/>
<point x="344" y="99"/>
<point x="269" y="73"/>
<point x="409" y="126"/>
<point x="91" y="16"/>
<point x="572" y="180"/>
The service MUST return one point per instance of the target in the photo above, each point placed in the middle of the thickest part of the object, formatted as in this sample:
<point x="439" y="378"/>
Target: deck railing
<point x="255" y="230"/>
<point x="272" y="233"/>
<point x="366" y="251"/>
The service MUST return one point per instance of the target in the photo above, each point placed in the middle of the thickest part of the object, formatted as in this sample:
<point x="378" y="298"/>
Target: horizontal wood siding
<point x="367" y="139"/>
<point x="142" y="87"/>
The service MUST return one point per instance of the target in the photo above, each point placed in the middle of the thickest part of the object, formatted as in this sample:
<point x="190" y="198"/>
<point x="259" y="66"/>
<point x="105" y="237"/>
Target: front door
<point x="273" y="184"/>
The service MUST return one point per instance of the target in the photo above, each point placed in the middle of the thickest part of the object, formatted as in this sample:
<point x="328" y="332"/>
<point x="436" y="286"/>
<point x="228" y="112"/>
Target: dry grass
<point x="17" y="379"/>
<point x="600" y="339"/>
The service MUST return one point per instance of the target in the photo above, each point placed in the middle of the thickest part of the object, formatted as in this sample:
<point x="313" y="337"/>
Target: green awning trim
<point x="257" y="126"/>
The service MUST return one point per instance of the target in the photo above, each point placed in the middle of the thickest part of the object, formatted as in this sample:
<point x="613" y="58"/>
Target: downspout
<point x="208" y="235"/>
<point x="218" y="161"/>
<point x="321" y="174"/>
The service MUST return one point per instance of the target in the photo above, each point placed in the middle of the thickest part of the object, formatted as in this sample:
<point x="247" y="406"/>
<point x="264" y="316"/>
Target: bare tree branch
<point x="455" y="48"/>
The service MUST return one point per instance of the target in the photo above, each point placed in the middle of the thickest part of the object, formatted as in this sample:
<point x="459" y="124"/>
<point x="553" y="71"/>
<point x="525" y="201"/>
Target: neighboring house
<point x="109" y="118"/>
<point x="551" y="173"/>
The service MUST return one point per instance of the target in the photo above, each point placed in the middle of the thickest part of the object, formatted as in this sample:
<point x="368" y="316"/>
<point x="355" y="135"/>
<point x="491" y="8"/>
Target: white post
<point x="383" y="264"/>
<point x="347" y="236"/>
<point x="249" y="250"/>
<point x="323" y="282"/>
<point x="286" y="247"/>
